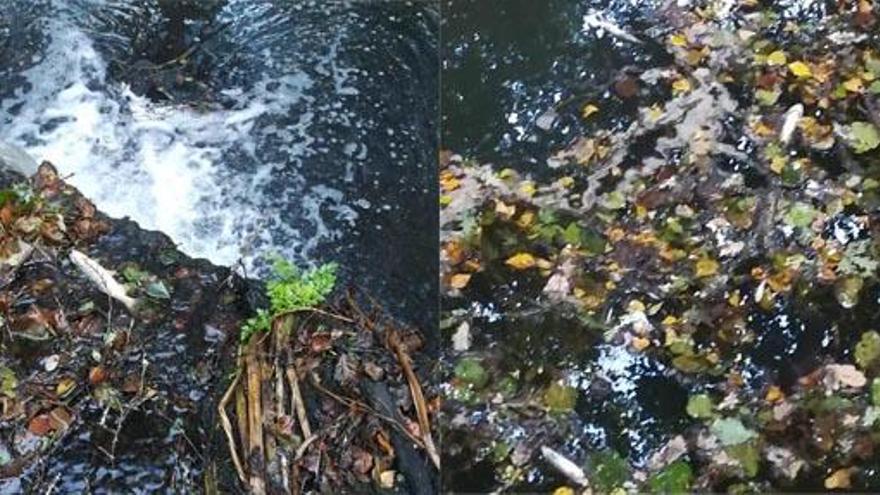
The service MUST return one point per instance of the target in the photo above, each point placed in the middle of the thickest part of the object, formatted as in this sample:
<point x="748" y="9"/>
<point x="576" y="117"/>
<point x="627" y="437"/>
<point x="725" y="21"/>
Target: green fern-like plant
<point x="291" y="289"/>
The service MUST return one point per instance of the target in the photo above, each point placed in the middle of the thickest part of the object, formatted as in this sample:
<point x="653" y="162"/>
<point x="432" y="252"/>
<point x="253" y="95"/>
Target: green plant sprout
<point x="290" y="289"/>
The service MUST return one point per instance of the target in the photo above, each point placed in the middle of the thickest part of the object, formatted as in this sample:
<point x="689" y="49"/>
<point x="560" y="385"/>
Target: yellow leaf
<point x="635" y="306"/>
<point x="589" y="109"/>
<point x="448" y="181"/>
<point x="774" y="394"/>
<point x="566" y="181"/>
<point x="445" y="200"/>
<point x="694" y="57"/>
<point x="504" y="210"/>
<point x="459" y="280"/>
<point x="838" y="479"/>
<point x="525" y="219"/>
<point x="670" y="320"/>
<point x="655" y="112"/>
<point x="777" y="58"/>
<point x="506" y="173"/>
<point x="527" y="188"/>
<point x="563" y="490"/>
<point x="777" y="164"/>
<point x="521" y="261"/>
<point x="64" y="386"/>
<point x="678" y="39"/>
<point x="706" y="267"/>
<point x="854" y="85"/>
<point x="640" y="343"/>
<point x="681" y="85"/>
<point x="800" y="69"/>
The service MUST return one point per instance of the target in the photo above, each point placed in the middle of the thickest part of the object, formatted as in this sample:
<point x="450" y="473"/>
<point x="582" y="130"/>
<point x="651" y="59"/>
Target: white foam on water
<point x="164" y="165"/>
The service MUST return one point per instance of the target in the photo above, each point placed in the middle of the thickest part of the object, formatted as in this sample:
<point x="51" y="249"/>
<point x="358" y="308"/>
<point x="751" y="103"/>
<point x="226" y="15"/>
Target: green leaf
<point x="800" y="215"/>
<point x="133" y="274"/>
<point x="864" y="137"/>
<point x="470" y="371"/>
<point x="875" y="87"/>
<point x="730" y="431"/>
<point x="868" y="350"/>
<point x="560" y="398"/>
<point x="292" y="290"/>
<point x="875" y="392"/>
<point x="748" y="455"/>
<point x="614" y="200"/>
<point x="157" y="290"/>
<point x="689" y="363"/>
<point x="767" y="98"/>
<point x="700" y="406"/>
<point x="859" y="259"/>
<point x="674" y="479"/>
<point x="8" y="382"/>
<point x="572" y="234"/>
<point x="609" y="470"/>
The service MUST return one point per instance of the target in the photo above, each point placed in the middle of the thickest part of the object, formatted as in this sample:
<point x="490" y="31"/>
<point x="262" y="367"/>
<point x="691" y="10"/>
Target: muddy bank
<point x="95" y="398"/>
<point x="116" y="351"/>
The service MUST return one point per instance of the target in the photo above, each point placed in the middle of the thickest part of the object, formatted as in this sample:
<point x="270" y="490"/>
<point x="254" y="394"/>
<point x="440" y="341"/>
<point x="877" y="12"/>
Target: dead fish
<point x="597" y="21"/>
<point x="103" y="278"/>
<point x="565" y="467"/>
<point x="792" y="117"/>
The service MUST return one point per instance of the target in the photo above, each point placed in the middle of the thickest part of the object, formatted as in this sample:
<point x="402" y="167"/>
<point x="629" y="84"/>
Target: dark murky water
<point x="515" y="76"/>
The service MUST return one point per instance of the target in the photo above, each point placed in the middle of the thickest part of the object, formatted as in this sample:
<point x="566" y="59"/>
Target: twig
<point x="312" y="310"/>
<point x="356" y="404"/>
<point x="297" y="400"/>
<point x="418" y="397"/>
<point x="301" y="450"/>
<point x="279" y="404"/>
<point x="255" y="450"/>
<point x="227" y="427"/>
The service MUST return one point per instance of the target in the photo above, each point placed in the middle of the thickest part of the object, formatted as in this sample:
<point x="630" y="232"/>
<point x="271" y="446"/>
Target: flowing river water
<point x="242" y="128"/>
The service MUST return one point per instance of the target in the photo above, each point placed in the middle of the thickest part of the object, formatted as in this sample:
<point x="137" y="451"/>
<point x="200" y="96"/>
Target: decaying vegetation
<point x="688" y="302"/>
<point x="319" y="399"/>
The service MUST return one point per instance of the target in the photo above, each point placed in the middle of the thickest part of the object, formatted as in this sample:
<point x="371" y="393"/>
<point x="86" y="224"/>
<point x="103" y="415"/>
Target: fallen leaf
<point x="839" y="479"/>
<point x="854" y="85"/>
<point x="864" y="137"/>
<point x="678" y="39"/>
<point x="626" y="87"/>
<point x="504" y="210"/>
<point x="843" y="375"/>
<point x="65" y="386"/>
<point x="777" y="58"/>
<point x="560" y="398"/>
<point x="800" y="69"/>
<point x="521" y="261"/>
<point x="461" y="339"/>
<point x="40" y="425"/>
<point x="386" y="479"/>
<point x="706" y="267"/>
<point x="589" y="109"/>
<point x="448" y="181"/>
<point x="98" y="375"/>
<point x="774" y="394"/>
<point x="640" y="343"/>
<point x="459" y="280"/>
<point x="731" y="431"/>
<point x="681" y="85"/>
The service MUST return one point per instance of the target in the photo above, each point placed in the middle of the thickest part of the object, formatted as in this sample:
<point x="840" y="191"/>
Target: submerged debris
<point x="694" y="294"/>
